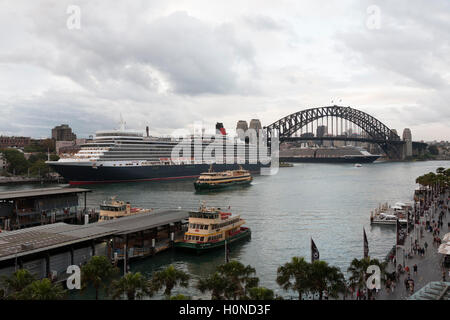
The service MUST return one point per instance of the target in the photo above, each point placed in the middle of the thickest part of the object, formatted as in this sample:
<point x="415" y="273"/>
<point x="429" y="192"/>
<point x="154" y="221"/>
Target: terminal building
<point x="33" y="207"/>
<point x="48" y="250"/>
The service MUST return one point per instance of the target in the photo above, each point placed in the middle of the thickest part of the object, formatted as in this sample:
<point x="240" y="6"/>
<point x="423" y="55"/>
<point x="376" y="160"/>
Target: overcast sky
<point x="167" y="64"/>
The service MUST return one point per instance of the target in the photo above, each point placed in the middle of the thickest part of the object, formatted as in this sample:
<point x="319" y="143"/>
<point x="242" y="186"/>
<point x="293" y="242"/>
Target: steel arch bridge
<point x="377" y="132"/>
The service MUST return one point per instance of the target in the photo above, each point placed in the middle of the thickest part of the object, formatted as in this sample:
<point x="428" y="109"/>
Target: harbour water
<point x="329" y="202"/>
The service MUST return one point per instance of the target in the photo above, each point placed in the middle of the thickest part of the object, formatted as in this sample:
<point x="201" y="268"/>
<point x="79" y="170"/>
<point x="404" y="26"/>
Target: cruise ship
<point x="346" y="154"/>
<point x="128" y="156"/>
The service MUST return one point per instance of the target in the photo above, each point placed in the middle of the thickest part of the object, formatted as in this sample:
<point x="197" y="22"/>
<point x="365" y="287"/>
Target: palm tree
<point x="97" y="272"/>
<point x="294" y="276"/>
<point x="358" y="271"/>
<point x="239" y="279"/>
<point x="168" y="278"/>
<point x="180" y="297"/>
<point x="43" y="290"/>
<point x="134" y="285"/>
<point x="18" y="281"/>
<point x="324" y="277"/>
<point x="260" y="293"/>
<point x="214" y="283"/>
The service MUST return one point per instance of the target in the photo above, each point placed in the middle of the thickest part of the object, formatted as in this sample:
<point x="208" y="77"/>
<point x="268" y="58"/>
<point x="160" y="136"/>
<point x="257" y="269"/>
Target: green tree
<point x="133" y="285"/>
<point x="17" y="163"/>
<point x="294" y="276"/>
<point x="36" y="157"/>
<point x="325" y="277"/>
<point x="230" y="281"/>
<point x="180" y="297"/>
<point x="39" y="168"/>
<point x="358" y="271"/>
<point x="433" y="150"/>
<point x="97" y="272"/>
<point x="239" y="279"/>
<point x="43" y="290"/>
<point x="214" y="283"/>
<point x="260" y="293"/>
<point x="168" y="278"/>
<point x="18" y="281"/>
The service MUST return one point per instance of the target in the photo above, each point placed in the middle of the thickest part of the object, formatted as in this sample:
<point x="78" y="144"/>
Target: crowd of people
<point x="429" y="214"/>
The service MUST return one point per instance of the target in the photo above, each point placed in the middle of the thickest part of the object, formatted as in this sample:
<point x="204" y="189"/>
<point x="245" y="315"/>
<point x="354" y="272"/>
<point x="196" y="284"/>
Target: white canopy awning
<point x="446" y="238"/>
<point x="444" y="248"/>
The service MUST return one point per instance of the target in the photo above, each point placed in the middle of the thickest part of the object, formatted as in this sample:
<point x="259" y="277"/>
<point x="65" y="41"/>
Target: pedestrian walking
<point x="425" y="245"/>
<point x="415" y="269"/>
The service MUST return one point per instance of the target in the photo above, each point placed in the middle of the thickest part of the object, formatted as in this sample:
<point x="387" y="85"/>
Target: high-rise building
<point x="321" y="131"/>
<point x="241" y="129"/>
<point x="63" y="133"/>
<point x="255" y="124"/>
<point x="408" y="139"/>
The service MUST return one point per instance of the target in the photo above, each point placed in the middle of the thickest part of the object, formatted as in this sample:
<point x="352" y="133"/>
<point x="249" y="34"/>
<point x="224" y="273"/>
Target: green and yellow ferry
<point x="214" y="180"/>
<point x="210" y="227"/>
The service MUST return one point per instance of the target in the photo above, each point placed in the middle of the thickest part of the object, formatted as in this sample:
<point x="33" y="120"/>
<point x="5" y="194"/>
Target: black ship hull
<point x="76" y="174"/>
<point x="347" y="159"/>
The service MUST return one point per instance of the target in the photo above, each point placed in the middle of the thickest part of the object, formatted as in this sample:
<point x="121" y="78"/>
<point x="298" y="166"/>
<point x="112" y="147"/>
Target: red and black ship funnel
<point x="220" y="129"/>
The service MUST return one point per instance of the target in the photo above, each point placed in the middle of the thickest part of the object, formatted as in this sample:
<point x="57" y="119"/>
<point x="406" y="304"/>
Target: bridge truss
<point x="375" y="131"/>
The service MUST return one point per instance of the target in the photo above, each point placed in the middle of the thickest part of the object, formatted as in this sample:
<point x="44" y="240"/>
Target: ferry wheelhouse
<point x="210" y="227"/>
<point x="118" y="209"/>
<point x="215" y="180"/>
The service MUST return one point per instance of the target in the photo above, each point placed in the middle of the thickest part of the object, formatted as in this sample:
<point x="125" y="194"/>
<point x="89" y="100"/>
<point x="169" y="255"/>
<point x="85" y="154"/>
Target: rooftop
<point x="16" y="194"/>
<point x="36" y="239"/>
<point x="435" y="290"/>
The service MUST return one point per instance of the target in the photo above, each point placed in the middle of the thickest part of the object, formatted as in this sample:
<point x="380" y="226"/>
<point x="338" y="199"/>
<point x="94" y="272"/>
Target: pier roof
<point x="39" y="192"/>
<point x="42" y="238"/>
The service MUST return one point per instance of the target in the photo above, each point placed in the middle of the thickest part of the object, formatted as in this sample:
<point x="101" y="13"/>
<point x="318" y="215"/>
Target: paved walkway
<point x="429" y="267"/>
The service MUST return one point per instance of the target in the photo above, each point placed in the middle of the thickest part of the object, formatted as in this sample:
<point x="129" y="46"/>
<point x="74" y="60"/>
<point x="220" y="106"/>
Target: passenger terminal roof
<point x="41" y="238"/>
<point x="18" y="194"/>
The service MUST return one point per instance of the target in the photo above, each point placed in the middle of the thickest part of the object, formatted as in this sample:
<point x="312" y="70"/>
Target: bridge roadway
<point x="339" y="138"/>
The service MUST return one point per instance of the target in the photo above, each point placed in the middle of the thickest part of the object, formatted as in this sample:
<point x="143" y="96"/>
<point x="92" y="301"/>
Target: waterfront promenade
<point x="429" y="267"/>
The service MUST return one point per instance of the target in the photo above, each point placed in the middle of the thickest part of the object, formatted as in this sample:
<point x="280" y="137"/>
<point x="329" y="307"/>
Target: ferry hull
<point x="79" y="174"/>
<point x="207" y="186"/>
<point x="205" y="247"/>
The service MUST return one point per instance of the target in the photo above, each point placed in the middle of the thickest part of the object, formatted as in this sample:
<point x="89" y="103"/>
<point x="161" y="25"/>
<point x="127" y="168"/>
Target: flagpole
<point x="226" y="251"/>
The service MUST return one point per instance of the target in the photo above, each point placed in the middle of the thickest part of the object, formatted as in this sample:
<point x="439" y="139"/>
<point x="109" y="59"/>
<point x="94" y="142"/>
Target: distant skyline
<point x="168" y="64"/>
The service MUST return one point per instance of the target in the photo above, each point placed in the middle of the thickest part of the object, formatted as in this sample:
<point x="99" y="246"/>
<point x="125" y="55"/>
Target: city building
<point x="408" y="139"/>
<point x="3" y="163"/>
<point x="14" y="142"/>
<point x="321" y="131"/>
<point x="69" y="146"/>
<point x="255" y="124"/>
<point x="63" y="133"/>
<point x="241" y="129"/>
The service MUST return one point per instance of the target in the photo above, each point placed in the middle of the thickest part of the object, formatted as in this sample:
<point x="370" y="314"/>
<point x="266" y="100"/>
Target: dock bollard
<point x="153" y="246"/>
<point x="172" y="236"/>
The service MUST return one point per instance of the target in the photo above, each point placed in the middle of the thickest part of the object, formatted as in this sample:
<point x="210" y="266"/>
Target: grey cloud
<point x="192" y="56"/>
